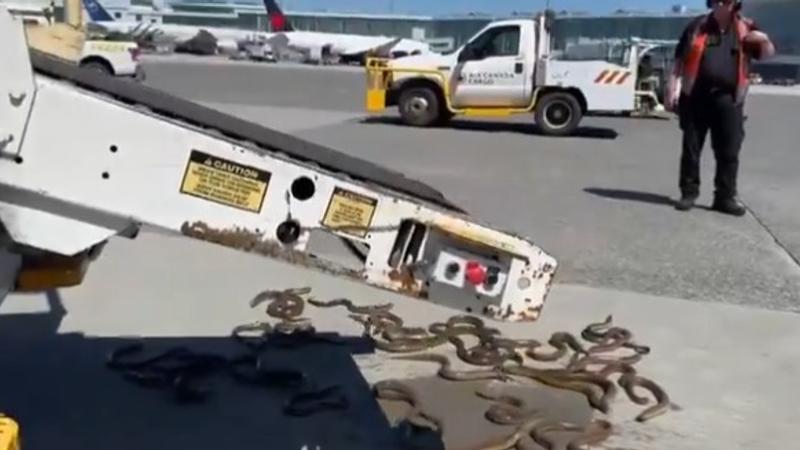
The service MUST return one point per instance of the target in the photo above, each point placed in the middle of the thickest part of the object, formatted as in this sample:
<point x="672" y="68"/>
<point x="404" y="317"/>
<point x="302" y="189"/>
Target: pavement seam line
<point x="795" y="259"/>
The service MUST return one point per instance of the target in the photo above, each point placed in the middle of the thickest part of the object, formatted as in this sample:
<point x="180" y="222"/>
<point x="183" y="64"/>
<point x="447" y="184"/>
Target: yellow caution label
<point x="225" y="182"/>
<point x="350" y="212"/>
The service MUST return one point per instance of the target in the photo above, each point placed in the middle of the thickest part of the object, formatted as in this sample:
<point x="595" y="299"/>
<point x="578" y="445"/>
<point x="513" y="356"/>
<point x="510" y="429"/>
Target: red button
<point x="475" y="273"/>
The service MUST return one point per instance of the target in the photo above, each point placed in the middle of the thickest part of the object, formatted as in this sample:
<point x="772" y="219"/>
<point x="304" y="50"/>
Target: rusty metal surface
<point x="254" y="242"/>
<point x="400" y="280"/>
<point x="407" y="282"/>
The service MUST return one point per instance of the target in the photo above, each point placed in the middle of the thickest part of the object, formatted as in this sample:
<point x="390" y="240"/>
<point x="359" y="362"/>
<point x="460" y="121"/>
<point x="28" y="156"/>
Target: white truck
<point x="70" y="41"/>
<point x="506" y="68"/>
<point x="115" y="58"/>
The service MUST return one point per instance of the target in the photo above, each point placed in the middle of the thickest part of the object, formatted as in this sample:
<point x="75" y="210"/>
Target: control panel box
<point x="465" y="276"/>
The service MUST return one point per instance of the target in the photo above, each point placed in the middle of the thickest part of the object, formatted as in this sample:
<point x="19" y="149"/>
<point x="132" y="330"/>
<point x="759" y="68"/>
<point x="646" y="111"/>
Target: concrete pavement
<point x="729" y="369"/>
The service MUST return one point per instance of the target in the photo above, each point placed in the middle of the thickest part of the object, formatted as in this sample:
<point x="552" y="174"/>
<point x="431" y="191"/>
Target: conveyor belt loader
<point x="85" y="157"/>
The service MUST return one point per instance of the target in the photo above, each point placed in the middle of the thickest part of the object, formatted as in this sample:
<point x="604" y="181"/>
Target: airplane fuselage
<point x="183" y="32"/>
<point x="350" y="45"/>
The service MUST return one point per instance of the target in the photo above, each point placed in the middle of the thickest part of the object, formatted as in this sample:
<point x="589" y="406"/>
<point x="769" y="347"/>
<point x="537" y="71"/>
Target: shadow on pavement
<point x="642" y="197"/>
<point x="59" y="389"/>
<point x="612" y="115"/>
<point x="636" y="196"/>
<point x="493" y="126"/>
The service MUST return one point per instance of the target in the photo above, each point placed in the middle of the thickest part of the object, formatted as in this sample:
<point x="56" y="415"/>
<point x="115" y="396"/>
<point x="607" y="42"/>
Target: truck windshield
<point x="498" y="41"/>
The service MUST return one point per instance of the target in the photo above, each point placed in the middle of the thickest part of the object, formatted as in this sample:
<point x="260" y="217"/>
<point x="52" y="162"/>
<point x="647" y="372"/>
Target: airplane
<point x="348" y="47"/>
<point x="226" y="37"/>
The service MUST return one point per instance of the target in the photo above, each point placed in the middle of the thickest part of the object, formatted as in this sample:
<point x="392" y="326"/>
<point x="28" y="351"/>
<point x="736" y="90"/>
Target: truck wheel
<point x="558" y="113"/>
<point x="97" y="66"/>
<point x="419" y="106"/>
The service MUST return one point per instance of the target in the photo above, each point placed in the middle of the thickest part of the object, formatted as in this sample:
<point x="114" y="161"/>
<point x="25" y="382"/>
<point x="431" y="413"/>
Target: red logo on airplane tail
<point x="277" y="21"/>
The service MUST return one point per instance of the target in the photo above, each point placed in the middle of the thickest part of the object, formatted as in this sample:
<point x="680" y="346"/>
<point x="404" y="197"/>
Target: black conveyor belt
<point x="171" y="106"/>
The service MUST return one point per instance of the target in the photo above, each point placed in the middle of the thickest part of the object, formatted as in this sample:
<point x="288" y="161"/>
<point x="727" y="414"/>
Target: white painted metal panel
<point x="16" y="95"/>
<point x="606" y="86"/>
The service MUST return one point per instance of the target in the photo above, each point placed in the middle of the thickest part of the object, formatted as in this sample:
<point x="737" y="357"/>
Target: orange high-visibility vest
<point x="691" y="63"/>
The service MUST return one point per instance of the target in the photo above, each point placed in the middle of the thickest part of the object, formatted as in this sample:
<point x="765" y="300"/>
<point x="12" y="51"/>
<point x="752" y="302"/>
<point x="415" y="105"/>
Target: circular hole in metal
<point x="524" y="283"/>
<point x="18" y="159"/>
<point x="288" y="232"/>
<point x="469" y="310"/>
<point x="303" y="188"/>
<point x="105" y="175"/>
<point x="113" y="149"/>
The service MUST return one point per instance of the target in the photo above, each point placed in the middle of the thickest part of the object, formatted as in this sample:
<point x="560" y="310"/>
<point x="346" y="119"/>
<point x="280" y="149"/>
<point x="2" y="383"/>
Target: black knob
<point x="452" y="269"/>
<point x="492" y="275"/>
<point x="288" y="232"/>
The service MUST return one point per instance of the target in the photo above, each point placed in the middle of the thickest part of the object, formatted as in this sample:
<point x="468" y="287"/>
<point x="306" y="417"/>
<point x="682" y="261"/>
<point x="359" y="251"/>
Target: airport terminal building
<point x="778" y="17"/>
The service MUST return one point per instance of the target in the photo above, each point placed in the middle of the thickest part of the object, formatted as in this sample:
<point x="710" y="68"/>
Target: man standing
<point x="712" y="63"/>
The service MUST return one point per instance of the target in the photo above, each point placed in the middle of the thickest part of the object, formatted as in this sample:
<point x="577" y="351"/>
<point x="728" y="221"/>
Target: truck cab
<point x="505" y="68"/>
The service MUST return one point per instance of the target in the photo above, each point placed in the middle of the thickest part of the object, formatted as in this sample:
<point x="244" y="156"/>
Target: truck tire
<point x="97" y="66"/>
<point x="419" y="106"/>
<point x="558" y="113"/>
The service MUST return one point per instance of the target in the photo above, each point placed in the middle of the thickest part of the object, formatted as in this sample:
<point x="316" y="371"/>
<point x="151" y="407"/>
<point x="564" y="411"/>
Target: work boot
<point x="729" y="205"/>
<point x="685" y="203"/>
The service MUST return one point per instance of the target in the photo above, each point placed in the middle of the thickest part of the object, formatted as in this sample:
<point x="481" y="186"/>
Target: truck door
<point x="492" y="70"/>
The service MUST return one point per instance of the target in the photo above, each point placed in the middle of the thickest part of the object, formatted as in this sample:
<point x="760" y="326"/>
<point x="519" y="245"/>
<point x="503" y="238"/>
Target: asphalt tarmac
<point x="715" y="297"/>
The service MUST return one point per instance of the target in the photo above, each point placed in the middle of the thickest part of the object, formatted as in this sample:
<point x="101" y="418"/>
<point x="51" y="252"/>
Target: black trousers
<point x="718" y="113"/>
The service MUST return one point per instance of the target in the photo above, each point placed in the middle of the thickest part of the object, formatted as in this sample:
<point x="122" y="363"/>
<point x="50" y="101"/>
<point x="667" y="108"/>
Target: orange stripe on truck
<point x="601" y="76"/>
<point x="612" y="77"/>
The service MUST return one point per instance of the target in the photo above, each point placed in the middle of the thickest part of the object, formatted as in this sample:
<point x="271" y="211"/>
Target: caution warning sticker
<point x="225" y="182"/>
<point x="350" y="209"/>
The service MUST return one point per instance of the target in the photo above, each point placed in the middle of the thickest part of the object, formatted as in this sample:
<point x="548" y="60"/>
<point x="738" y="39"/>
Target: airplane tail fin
<point x="277" y="20"/>
<point x="96" y="11"/>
